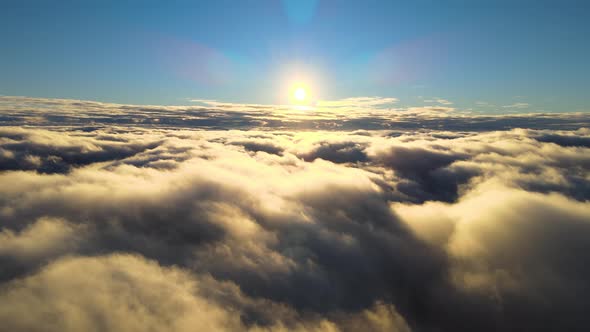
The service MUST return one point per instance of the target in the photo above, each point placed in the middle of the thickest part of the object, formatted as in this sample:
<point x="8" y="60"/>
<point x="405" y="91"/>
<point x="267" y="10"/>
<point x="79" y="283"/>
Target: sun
<point x="299" y="94"/>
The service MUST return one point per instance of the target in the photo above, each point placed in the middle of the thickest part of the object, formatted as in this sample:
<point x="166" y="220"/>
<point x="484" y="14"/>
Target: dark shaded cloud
<point x="40" y="152"/>
<point x="341" y="152"/>
<point x="425" y="172"/>
<point x="255" y="146"/>
<point x="564" y="140"/>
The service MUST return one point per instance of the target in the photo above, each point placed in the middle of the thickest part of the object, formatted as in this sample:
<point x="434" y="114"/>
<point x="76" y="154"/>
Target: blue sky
<point x="483" y="55"/>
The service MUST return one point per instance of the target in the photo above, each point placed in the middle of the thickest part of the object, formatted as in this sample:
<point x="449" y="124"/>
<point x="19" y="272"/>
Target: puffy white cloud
<point x="119" y="292"/>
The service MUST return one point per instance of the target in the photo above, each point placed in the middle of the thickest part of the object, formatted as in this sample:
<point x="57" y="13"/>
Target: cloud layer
<point x="131" y="228"/>
<point x="360" y="113"/>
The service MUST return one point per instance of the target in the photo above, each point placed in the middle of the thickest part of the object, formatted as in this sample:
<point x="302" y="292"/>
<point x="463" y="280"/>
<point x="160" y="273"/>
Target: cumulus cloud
<point x="160" y="227"/>
<point x="122" y="293"/>
<point x="519" y="249"/>
<point x="50" y="153"/>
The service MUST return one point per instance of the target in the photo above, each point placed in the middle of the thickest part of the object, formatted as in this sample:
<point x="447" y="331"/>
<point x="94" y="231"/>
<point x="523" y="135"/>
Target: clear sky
<point x="493" y="56"/>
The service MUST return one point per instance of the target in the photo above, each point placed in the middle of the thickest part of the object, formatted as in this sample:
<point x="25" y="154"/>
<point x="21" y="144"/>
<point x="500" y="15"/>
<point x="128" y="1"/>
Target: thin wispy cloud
<point x="518" y="105"/>
<point x="439" y="101"/>
<point x="361" y="102"/>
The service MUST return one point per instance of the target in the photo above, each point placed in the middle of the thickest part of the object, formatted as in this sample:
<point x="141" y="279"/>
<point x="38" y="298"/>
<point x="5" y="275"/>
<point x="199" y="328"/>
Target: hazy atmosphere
<point x="309" y="165"/>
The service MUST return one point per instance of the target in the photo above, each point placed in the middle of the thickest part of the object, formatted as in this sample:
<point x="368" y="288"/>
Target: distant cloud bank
<point x="366" y="113"/>
<point x="124" y="218"/>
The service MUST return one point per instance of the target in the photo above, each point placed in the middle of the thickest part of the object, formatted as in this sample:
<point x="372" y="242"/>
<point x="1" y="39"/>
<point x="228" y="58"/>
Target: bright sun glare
<point x="299" y="94"/>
